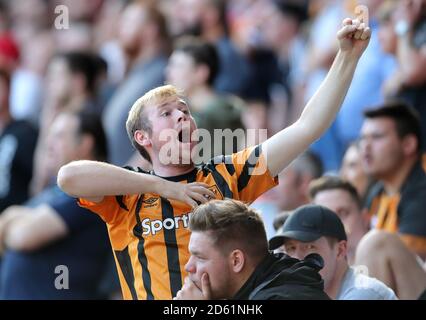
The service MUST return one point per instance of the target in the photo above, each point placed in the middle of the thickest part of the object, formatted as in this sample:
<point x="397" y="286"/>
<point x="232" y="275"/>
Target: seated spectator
<point x="17" y="144"/>
<point x="193" y="67"/>
<point x="391" y="150"/>
<point x="341" y="197"/>
<point x="316" y="229"/>
<point x="352" y="170"/>
<point x="390" y="261"/>
<point x="208" y="19"/>
<point x="406" y="40"/>
<point x="144" y="39"/>
<point x="51" y="230"/>
<point x="72" y="83"/>
<point x="230" y="259"/>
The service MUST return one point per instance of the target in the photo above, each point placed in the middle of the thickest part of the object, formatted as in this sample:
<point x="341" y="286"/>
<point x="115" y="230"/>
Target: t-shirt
<point x="403" y="213"/>
<point x="17" y="144"/>
<point x="357" y="286"/>
<point x="77" y="261"/>
<point x="149" y="234"/>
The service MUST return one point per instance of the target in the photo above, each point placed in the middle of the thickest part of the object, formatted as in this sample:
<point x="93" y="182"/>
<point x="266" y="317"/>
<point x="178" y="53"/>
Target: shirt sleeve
<point x="111" y="209"/>
<point x="253" y="176"/>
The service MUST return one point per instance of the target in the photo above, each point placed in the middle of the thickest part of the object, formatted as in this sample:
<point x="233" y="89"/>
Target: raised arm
<point x="93" y="180"/>
<point x="322" y="108"/>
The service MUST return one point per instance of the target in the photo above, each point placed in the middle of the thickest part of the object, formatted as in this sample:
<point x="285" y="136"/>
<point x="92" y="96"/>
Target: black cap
<point x="309" y="223"/>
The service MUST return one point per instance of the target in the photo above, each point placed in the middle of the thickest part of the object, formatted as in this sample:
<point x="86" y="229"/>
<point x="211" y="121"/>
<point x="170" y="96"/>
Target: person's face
<point x="387" y="37"/>
<point x="298" y="249"/>
<point x="353" y="170"/>
<point x="341" y="202"/>
<point x="63" y="141"/>
<point x="207" y="258"/>
<point x="131" y="25"/>
<point x="59" y="79"/>
<point x="278" y="29"/>
<point x="172" y="131"/>
<point x="181" y="71"/>
<point x="381" y="147"/>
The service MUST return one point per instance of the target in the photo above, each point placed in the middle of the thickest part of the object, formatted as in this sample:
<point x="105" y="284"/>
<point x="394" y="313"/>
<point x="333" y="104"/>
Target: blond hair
<point x="138" y="120"/>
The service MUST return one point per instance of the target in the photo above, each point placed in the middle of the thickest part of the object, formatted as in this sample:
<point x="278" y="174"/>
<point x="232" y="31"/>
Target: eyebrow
<point x="195" y="253"/>
<point x="180" y="102"/>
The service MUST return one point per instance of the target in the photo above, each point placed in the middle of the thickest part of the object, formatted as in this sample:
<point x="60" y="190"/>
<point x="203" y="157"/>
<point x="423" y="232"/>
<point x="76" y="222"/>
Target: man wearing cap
<point x="316" y="229"/>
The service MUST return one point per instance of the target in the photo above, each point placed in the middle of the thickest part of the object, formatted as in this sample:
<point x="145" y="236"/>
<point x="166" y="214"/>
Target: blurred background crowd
<point x="68" y="78"/>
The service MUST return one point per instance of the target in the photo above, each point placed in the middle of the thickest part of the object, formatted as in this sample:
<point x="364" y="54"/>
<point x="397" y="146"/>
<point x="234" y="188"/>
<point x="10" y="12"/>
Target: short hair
<point x="85" y="63"/>
<point x="406" y="119"/>
<point x="203" y="53"/>
<point x="90" y="123"/>
<point x="137" y="119"/>
<point x="231" y="224"/>
<point x="308" y="162"/>
<point x="333" y="183"/>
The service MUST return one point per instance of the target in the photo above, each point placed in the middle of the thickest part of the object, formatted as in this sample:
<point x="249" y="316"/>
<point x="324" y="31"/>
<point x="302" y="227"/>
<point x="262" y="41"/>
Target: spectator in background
<point x="193" y="67"/>
<point x="316" y="229"/>
<point x="293" y="189"/>
<point x="281" y="29"/>
<point x="342" y="198"/>
<point x="352" y="170"/>
<point x="72" y="84"/>
<point x="17" y="144"/>
<point x="391" y="149"/>
<point x="144" y="40"/>
<point x="52" y="230"/>
<point x="208" y="19"/>
<point x="375" y="67"/>
<point x="230" y="259"/>
<point x="406" y="39"/>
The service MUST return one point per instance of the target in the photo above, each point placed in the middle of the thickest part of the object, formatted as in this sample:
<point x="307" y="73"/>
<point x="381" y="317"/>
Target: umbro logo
<point x="150" y="202"/>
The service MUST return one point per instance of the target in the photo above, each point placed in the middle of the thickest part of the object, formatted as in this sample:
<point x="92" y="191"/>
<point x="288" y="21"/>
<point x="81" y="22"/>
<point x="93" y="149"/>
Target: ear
<point x="304" y="180"/>
<point x="142" y="138"/>
<point x="410" y="144"/>
<point x="342" y="249"/>
<point x="237" y="260"/>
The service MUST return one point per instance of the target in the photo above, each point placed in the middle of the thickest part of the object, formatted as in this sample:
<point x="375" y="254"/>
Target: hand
<point x="190" y="291"/>
<point x="189" y="193"/>
<point x="353" y="37"/>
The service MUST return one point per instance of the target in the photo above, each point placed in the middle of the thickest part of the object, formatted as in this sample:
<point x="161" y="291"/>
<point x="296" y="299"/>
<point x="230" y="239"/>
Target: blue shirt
<point x="84" y="251"/>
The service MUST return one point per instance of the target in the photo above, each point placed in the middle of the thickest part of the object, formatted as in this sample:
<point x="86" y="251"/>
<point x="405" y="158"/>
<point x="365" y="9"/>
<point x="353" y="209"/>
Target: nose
<point x="190" y="267"/>
<point x="181" y="116"/>
<point x="299" y="253"/>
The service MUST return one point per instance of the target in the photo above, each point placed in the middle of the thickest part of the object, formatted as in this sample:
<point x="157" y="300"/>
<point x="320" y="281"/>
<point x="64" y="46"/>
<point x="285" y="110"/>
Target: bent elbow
<point x="66" y="179"/>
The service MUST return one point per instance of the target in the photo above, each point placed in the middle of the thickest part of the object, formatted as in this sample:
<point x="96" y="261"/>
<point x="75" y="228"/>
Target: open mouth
<point x="184" y="136"/>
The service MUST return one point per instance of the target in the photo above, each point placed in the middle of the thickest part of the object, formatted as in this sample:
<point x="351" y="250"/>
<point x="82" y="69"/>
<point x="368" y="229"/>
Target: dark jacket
<point x="280" y="277"/>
